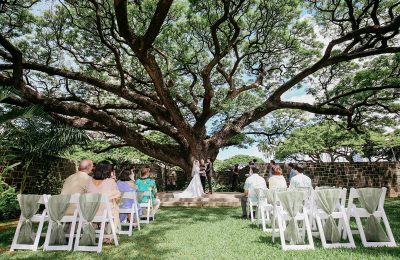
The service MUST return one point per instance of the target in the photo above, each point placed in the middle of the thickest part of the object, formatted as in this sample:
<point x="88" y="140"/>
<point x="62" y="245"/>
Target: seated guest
<point x="292" y="171"/>
<point x="300" y="180"/>
<point x="277" y="180"/>
<point x="253" y="182"/>
<point x="100" y="183"/>
<point x="76" y="182"/>
<point x="125" y="184"/>
<point x="144" y="183"/>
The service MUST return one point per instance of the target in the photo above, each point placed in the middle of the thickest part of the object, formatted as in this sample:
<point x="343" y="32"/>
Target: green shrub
<point x="9" y="207"/>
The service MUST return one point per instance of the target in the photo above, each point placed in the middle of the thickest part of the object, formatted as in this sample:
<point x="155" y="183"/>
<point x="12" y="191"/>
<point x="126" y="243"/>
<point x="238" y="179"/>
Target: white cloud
<point x="307" y="98"/>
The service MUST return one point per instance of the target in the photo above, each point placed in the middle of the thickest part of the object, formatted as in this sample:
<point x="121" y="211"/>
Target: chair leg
<point x="101" y="235"/>
<point x="78" y="234"/>
<point x="71" y="233"/>
<point x="38" y="233"/>
<point x="347" y="229"/>
<point x="113" y="228"/>
<point x="388" y="229"/>
<point x="48" y="234"/>
<point x="130" y="224"/>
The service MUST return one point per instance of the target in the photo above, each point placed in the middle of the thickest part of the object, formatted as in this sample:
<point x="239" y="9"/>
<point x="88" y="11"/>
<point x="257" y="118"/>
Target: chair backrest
<point x="355" y="195"/>
<point x="340" y="200"/>
<point x="103" y="204"/>
<point x="129" y="195"/>
<point x="290" y="191"/>
<point x="141" y="194"/>
<point x="43" y="199"/>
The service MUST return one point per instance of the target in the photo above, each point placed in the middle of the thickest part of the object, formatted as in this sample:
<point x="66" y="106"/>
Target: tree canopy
<point x="327" y="141"/>
<point x="198" y="73"/>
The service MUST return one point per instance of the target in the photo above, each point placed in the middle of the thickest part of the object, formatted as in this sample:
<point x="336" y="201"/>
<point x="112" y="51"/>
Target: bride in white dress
<point x="194" y="190"/>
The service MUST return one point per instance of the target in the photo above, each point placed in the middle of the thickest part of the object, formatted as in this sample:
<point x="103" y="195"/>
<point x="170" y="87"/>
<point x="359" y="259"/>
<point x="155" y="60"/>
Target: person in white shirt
<point x="300" y="180"/>
<point x="252" y="183"/>
<point x="76" y="182"/>
<point x="276" y="181"/>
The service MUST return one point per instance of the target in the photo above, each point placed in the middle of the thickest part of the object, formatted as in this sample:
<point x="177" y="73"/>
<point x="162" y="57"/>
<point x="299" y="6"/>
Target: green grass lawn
<point x="209" y="233"/>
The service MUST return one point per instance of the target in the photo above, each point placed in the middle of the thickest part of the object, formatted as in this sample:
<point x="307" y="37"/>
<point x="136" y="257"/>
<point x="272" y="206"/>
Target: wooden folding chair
<point x="133" y="211"/>
<point x="32" y="202"/>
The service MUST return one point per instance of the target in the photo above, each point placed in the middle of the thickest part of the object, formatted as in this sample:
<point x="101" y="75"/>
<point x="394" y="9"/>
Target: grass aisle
<point x="208" y="233"/>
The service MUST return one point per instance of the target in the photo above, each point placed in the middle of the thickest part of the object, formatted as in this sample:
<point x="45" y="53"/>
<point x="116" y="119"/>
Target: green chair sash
<point x="327" y="200"/>
<point x="29" y="205"/>
<point x="89" y="204"/>
<point x="58" y="204"/>
<point x="292" y="202"/>
<point x="369" y="198"/>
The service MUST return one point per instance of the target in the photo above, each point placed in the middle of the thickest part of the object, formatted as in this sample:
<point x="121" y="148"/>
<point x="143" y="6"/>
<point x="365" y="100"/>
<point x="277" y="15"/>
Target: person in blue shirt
<point x="292" y="171"/>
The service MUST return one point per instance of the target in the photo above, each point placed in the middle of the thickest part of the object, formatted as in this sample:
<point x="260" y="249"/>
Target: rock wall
<point x="46" y="177"/>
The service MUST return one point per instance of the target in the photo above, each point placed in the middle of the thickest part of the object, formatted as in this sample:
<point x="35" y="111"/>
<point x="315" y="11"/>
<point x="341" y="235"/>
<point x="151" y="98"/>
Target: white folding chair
<point x="39" y="218"/>
<point x="265" y="208"/>
<point x="319" y="213"/>
<point x="146" y="206"/>
<point x="284" y="219"/>
<point x="133" y="211"/>
<point x="104" y="216"/>
<point x="378" y="213"/>
<point x="66" y="219"/>
<point x="251" y="207"/>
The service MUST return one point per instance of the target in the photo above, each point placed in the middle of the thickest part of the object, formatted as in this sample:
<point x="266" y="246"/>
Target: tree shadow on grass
<point x="144" y="244"/>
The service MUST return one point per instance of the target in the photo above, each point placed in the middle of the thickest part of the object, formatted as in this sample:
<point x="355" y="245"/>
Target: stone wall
<point x="41" y="176"/>
<point x="357" y="175"/>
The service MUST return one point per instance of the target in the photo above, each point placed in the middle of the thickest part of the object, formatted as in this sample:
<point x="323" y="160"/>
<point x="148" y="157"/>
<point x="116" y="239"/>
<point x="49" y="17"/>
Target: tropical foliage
<point x="242" y="160"/>
<point x="328" y="141"/>
<point x="9" y="207"/>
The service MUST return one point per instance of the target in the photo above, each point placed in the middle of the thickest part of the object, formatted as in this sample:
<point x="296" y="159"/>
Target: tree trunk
<point x="201" y="151"/>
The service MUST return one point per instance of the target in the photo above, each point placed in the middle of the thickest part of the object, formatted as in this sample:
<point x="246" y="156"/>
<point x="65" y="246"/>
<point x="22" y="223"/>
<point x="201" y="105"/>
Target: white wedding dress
<point x="195" y="189"/>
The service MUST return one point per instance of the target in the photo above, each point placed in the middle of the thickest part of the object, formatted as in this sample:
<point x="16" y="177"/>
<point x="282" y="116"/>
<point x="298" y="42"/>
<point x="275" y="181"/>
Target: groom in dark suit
<point x="209" y="173"/>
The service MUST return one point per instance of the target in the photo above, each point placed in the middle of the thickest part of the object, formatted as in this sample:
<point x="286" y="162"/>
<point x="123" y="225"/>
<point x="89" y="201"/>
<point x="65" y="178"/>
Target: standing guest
<point x="273" y="167"/>
<point x="251" y="166"/>
<point x="235" y="175"/>
<point x="76" y="182"/>
<point x="202" y="173"/>
<point x="172" y="178"/>
<point x="209" y="173"/>
<point x="300" y="180"/>
<point x="125" y="184"/>
<point x="112" y="174"/>
<point x="132" y="174"/>
<point x="144" y="183"/>
<point x="292" y="171"/>
<point x="276" y="181"/>
<point x="100" y="183"/>
<point x="252" y="183"/>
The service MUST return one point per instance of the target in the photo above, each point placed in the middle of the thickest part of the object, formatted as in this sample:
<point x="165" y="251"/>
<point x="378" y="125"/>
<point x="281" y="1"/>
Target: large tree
<point x="198" y="72"/>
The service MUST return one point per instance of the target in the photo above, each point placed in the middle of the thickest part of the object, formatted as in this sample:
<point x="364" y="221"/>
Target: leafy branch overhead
<point x="199" y="73"/>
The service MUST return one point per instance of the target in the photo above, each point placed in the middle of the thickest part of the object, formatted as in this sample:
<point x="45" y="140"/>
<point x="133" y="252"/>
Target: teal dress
<point x="145" y="185"/>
